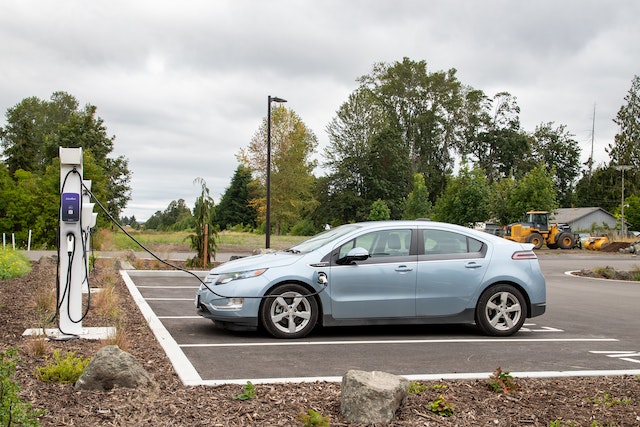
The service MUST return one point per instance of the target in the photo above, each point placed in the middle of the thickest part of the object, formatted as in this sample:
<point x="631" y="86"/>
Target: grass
<point x="178" y="241"/>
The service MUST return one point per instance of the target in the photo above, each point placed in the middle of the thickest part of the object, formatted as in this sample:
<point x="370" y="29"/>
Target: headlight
<point x="228" y="277"/>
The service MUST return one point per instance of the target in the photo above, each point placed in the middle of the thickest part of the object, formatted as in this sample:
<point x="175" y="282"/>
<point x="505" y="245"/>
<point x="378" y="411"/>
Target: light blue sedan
<point x="379" y="273"/>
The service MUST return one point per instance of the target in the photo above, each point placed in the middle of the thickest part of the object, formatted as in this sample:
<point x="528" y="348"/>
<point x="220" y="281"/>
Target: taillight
<point x="524" y="255"/>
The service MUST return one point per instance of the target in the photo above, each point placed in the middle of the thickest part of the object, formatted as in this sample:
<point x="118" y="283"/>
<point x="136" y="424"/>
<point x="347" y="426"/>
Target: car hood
<point x="270" y="260"/>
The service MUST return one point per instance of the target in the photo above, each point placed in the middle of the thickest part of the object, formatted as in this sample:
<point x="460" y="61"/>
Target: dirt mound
<point x="615" y="246"/>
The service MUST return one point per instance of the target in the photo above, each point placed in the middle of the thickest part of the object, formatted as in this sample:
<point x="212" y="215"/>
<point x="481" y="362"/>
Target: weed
<point x="106" y="302"/>
<point x="62" y="370"/>
<point x="14" y="411"/>
<point x="416" y="388"/>
<point x="608" y="400"/>
<point x="38" y="346"/>
<point x="606" y="272"/>
<point x="121" y="338"/>
<point x="13" y="264"/>
<point x="249" y="392"/>
<point x="502" y="381"/>
<point x="441" y="407"/>
<point x="313" y="418"/>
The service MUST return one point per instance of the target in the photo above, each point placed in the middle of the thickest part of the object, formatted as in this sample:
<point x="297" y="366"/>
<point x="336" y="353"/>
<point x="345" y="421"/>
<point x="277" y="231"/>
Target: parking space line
<point x="387" y="342"/>
<point x="168" y="299"/>
<point x="182" y="365"/>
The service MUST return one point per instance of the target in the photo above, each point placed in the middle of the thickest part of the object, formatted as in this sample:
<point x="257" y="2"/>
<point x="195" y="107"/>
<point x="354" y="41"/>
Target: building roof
<point x="569" y="215"/>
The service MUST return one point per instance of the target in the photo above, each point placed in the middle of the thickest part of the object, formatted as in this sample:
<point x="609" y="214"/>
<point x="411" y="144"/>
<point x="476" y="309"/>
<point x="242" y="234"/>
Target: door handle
<point x="473" y="265"/>
<point x="403" y="269"/>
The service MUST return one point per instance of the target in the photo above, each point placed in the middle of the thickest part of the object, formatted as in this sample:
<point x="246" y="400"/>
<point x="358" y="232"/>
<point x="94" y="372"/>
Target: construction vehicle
<point x="535" y="229"/>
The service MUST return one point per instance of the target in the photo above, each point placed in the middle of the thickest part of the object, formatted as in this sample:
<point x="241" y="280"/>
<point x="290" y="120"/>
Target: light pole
<point x="268" y="211"/>
<point x="622" y="168"/>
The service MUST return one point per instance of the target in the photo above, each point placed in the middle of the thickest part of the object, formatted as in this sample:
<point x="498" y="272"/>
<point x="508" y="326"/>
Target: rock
<point x="372" y="397"/>
<point x="112" y="367"/>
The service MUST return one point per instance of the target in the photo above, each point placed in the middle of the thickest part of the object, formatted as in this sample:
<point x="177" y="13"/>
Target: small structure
<point x="583" y="219"/>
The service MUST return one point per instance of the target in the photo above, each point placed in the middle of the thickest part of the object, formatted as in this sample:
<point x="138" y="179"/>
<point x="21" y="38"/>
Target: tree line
<point x="407" y="143"/>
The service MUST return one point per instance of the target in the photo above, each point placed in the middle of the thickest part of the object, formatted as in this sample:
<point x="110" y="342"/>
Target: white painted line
<point x="630" y="360"/>
<point x="431" y="377"/>
<point x="170" y="299"/>
<point x="185" y="370"/>
<point x="166" y="287"/>
<point x="387" y="342"/>
<point x="183" y="317"/>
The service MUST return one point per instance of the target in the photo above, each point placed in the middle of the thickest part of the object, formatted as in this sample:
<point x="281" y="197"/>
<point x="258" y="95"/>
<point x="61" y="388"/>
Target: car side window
<point x="383" y="243"/>
<point x="439" y="242"/>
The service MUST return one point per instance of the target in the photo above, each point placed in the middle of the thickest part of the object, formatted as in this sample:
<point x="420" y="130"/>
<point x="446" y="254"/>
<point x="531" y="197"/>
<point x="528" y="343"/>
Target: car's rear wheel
<point x="288" y="313"/>
<point x="501" y="310"/>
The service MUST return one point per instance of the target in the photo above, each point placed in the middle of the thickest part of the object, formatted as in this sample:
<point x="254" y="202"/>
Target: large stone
<point x="372" y="397"/>
<point x="112" y="367"/>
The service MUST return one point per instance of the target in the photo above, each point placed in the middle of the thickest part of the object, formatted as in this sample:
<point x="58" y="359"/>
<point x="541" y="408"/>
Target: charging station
<point x="76" y="221"/>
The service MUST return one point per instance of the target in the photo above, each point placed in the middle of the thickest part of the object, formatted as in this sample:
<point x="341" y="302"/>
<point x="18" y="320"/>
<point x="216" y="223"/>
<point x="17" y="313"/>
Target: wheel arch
<point x="302" y="283"/>
<point x="516" y="285"/>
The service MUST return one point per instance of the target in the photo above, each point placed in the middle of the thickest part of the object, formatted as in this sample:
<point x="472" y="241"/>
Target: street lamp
<point x="268" y="213"/>
<point x="622" y="168"/>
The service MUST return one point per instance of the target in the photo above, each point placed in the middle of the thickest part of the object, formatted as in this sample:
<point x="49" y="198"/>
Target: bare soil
<point x="589" y="401"/>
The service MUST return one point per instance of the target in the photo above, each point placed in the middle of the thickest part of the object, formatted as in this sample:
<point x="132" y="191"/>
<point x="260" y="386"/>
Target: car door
<point x="382" y="286"/>
<point x="450" y="266"/>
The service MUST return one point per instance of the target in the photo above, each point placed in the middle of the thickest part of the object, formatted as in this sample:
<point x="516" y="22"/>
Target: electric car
<point x="379" y="273"/>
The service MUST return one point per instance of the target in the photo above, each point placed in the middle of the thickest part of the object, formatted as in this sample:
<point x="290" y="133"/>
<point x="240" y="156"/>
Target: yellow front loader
<point x="535" y="229"/>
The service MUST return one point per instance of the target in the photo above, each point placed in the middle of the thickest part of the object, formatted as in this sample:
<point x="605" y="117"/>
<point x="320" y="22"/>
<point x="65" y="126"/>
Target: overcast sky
<point x="183" y="85"/>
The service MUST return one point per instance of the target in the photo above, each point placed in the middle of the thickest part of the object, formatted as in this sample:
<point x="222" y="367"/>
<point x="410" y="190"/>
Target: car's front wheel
<point x="288" y="313"/>
<point x="501" y="310"/>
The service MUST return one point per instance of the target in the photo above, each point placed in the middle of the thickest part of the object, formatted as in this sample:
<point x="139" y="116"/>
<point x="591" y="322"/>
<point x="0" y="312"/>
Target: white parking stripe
<point x="387" y="342"/>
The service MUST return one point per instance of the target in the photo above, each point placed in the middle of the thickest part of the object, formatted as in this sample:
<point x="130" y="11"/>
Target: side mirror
<point x="355" y="254"/>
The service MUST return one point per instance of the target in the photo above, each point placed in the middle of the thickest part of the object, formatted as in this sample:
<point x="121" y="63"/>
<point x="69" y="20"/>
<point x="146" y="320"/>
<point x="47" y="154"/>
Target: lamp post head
<point x="276" y="99"/>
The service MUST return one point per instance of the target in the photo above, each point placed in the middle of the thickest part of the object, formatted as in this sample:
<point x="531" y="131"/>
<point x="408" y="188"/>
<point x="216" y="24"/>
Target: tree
<point x="556" y="148"/>
<point x="379" y="211"/>
<point x="464" y="201"/>
<point x="500" y="201"/>
<point x="205" y="234"/>
<point x="427" y="110"/>
<point x="602" y="188"/>
<point x="632" y="211"/>
<point x="499" y="146"/>
<point x="418" y="204"/>
<point x="626" y="147"/>
<point x="176" y="217"/>
<point x="535" y="191"/>
<point x="292" y="145"/>
<point x="234" y="207"/>
<point x="36" y="128"/>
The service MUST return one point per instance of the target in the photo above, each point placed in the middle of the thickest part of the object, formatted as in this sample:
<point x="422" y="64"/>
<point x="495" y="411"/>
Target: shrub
<point x="13" y="411"/>
<point x="13" y="264"/>
<point x="63" y="370"/>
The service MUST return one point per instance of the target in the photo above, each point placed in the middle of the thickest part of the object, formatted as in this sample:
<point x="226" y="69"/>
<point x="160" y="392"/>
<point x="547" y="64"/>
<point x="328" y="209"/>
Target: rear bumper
<point x="538" y="309"/>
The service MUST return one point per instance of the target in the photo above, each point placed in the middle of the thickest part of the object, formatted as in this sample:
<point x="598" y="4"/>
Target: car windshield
<point x="322" y="239"/>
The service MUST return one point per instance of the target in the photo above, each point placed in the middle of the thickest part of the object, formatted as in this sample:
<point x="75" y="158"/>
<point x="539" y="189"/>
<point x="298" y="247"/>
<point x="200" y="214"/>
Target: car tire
<point x="287" y="313"/>
<point x="501" y="310"/>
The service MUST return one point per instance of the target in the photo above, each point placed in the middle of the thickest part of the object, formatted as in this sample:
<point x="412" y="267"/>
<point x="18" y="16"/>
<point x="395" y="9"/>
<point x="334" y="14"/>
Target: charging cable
<point x="322" y="277"/>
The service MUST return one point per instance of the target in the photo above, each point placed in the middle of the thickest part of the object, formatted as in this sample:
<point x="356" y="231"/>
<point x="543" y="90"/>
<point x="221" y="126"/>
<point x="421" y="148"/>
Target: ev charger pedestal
<point x="71" y="251"/>
<point x="76" y="221"/>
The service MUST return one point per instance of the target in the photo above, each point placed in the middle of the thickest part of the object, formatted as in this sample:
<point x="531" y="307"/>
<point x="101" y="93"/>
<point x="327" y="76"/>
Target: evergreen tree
<point x="234" y="207"/>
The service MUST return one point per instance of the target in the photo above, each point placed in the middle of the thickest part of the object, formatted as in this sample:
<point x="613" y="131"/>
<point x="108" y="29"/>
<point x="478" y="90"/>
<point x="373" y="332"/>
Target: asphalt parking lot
<point x="589" y="329"/>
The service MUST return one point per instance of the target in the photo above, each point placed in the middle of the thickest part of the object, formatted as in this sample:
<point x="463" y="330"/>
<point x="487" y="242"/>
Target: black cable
<point x="113" y="220"/>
